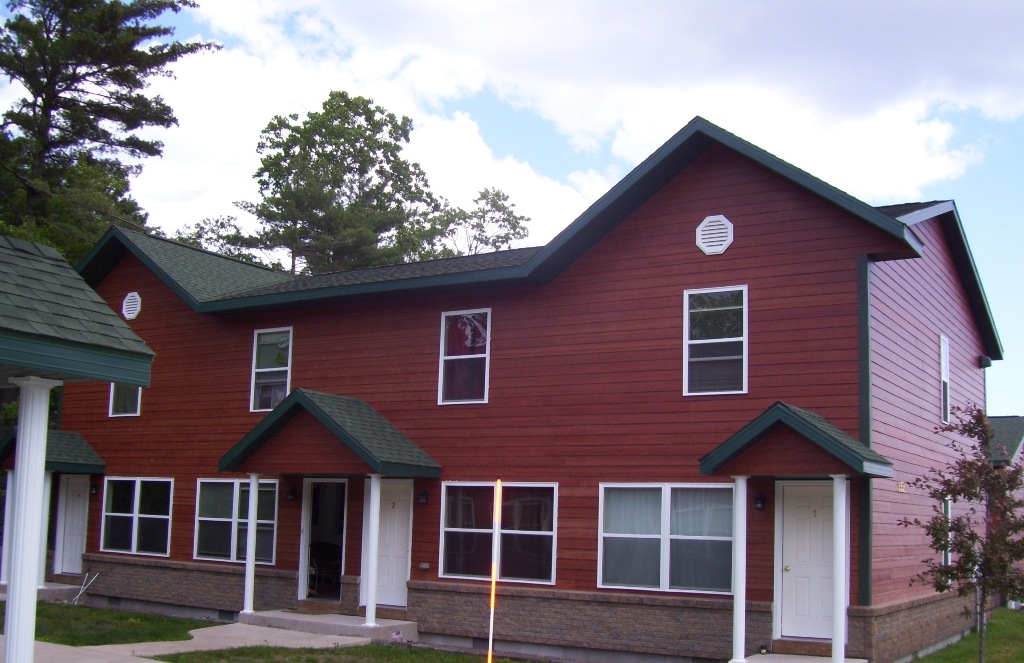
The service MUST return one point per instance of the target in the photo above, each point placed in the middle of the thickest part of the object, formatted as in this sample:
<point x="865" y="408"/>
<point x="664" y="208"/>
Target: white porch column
<point x="839" y="570"/>
<point x="739" y="570"/>
<point x="45" y="520"/>
<point x="250" y="544"/>
<point x="373" y="552"/>
<point x="5" y="568"/>
<point x="29" y="468"/>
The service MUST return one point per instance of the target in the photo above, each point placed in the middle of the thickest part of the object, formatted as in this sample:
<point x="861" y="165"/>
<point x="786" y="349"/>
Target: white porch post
<point x="739" y="570"/>
<point x="44" y="520"/>
<point x="5" y="568"/>
<point x="29" y="468"/>
<point x="250" y="544"/>
<point x="839" y="570"/>
<point x="373" y="550"/>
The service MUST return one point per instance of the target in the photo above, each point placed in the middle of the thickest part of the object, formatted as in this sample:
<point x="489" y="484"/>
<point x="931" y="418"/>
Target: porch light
<point x="759" y="502"/>
<point x="93" y="489"/>
<point x="292" y="494"/>
<point x="423" y="497"/>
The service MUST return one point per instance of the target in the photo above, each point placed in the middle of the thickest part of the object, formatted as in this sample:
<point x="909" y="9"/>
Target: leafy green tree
<point x="223" y="235"/>
<point x="84" y="65"/>
<point x="981" y="548"/>
<point x="492" y="225"/>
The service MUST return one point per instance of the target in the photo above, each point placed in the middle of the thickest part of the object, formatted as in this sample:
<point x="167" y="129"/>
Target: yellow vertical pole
<point x="494" y="565"/>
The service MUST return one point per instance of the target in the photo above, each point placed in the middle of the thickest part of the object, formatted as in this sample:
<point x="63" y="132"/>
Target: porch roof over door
<point x="363" y="430"/>
<point x="830" y="443"/>
<point x="66" y="451"/>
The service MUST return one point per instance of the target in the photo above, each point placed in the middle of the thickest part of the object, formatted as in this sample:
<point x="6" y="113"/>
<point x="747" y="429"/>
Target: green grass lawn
<point x="80" y="626"/>
<point x="1005" y="642"/>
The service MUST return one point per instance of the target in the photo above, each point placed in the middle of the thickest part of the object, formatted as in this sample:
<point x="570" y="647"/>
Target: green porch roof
<point x="53" y="325"/>
<point x="357" y="425"/>
<point x="66" y="451"/>
<point x="813" y="427"/>
<point x="1007" y="439"/>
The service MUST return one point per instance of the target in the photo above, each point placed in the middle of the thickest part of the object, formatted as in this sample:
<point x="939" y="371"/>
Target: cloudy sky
<point x="553" y="102"/>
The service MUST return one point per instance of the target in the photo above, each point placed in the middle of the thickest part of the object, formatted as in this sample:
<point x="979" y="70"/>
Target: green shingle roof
<point x="53" y="325"/>
<point x="1007" y="439"/>
<point x="66" y="451"/>
<point x="812" y="426"/>
<point x="357" y="425"/>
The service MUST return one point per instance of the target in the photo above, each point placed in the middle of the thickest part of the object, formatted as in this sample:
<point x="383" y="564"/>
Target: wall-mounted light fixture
<point x="423" y="498"/>
<point x="292" y="495"/>
<point x="759" y="502"/>
<point x="94" y="489"/>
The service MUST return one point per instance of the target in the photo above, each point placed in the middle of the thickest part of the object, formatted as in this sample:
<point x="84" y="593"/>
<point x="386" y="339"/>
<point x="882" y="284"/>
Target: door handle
<point x="787" y="568"/>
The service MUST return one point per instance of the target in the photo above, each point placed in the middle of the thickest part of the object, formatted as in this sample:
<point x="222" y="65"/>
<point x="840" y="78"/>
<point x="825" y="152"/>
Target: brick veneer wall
<point x="664" y="625"/>
<point x="207" y="586"/>
<point x="900" y="630"/>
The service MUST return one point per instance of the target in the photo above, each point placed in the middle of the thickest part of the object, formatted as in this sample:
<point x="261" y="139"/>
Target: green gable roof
<point x="66" y="451"/>
<point x="357" y="425"/>
<point x="811" y="426"/>
<point x="53" y="325"/>
<point x="1007" y="439"/>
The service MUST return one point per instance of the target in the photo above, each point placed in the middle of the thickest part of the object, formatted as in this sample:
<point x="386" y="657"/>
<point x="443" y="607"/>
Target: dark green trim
<point x="832" y="440"/>
<point x="865" y="541"/>
<point x="56" y="358"/>
<point x="402" y="458"/>
<point x="865" y="532"/>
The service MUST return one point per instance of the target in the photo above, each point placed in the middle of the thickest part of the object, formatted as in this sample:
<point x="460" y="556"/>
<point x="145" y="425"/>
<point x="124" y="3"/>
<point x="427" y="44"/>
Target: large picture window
<point x="136" y="516"/>
<point x="715" y="329"/>
<point x="125" y="400"/>
<point x="526" y="533"/>
<point x="222" y="512"/>
<point x="666" y="537"/>
<point x="465" y="356"/>
<point x="271" y="367"/>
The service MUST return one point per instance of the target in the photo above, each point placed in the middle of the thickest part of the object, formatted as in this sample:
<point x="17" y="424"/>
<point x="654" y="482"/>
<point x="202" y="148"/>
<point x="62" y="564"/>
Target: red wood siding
<point x="586" y="372"/>
<point x="913" y="303"/>
<point x="783" y="452"/>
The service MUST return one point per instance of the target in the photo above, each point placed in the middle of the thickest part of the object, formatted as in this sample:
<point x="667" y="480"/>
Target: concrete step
<point x="385" y="630"/>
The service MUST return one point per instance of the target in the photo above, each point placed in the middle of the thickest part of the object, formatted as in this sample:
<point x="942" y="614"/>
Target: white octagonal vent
<point x="714" y="234"/>
<point x="131" y="306"/>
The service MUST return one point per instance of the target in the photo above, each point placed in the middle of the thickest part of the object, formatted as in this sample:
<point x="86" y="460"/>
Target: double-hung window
<point x="136" y="516"/>
<point x="944" y="379"/>
<point x="125" y="400"/>
<point x="465" y="356"/>
<point x="222" y="512"/>
<point x="526" y="531"/>
<point x="271" y="367"/>
<point x="715" y="348"/>
<point x="666" y="537"/>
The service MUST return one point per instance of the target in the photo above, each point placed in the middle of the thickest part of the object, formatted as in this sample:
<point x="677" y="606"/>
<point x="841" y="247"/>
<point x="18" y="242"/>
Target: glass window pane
<point x="464" y="379"/>
<point x="214" y="539"/>
<point x="701" y="565"/>
<point x="716" y="315"/>
<point x="264" y="543"/>
<point x="155" y="498"/>
<point x="266" y="501"/>
<point x="714" y="375"/>
<point x="120" y="496"/>
<point x="467" y="554"/>
<point x="269" y="389"/>
<point x="152" y="536"/>
<point x="469" y="507"/>
<point x="465" y="334"/>
<point x="526" y="556"/>
<point x="117" y="533"/>
<point x="632" y="511"/>
<point x="215" y="499"/>
<point x="272" y="349"/>
<point x="631" y="562"/>
<point x="701" y="512"/>
<point x="125" y="399"/>
<point x="527" y="509"/>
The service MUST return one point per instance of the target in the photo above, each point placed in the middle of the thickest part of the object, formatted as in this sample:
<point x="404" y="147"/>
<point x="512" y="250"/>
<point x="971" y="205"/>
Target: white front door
<point x="395" y="542"/>
<point x="72" y="521"/>
<point x="806" y="561"/>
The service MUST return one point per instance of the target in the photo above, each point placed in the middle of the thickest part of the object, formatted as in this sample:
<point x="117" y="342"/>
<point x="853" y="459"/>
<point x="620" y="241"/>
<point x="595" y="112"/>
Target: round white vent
<point x="131" y="306"/>
<point x="714" y="234"/>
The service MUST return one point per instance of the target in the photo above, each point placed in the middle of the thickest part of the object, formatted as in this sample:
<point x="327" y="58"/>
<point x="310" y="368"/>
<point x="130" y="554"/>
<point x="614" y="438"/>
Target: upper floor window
<point x="222" y="512"/>
<point x="715" y="350"/>
<point x="271" y="367"/>
<point x="465" y="356"/>
<point x="136" y="516"/>
<point x="944" y="378"/>
<point x="124" y="400"/>
<point x="526" y="531"/>
<point x="666" y="537"/>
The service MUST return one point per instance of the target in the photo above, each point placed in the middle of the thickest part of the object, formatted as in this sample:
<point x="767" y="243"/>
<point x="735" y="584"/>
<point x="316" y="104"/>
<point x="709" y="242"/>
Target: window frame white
<point x="444" y="358"/>
<point x="497" y="530"/>
<point x="138" y="400"/>
<point x="947" y="513"/>
<point x="945" y="404"/>
<point x="135" y="515"/>
<point x="665" y="536"/>
<point x="288" y="367"/>
<point x="687" y="343"/>
<point x="236" y="521"/>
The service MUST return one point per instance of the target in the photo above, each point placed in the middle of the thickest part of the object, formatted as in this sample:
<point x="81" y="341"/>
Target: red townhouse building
<point x="705" y="400"/>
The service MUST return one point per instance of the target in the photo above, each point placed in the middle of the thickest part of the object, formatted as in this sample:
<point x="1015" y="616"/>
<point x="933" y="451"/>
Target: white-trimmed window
<point x="667" y="537"/>
<point x="465" y="356"/>
<point x="136" y="515"/>
<point x="526" y="533"/>
<point x="947" y="513"/>
<point x="125" y="400"/>
<point x="222" y="512"/>
<point x="944" y="379"/>
<point x="271" y="367"/>
<point x="715" y="350"/>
